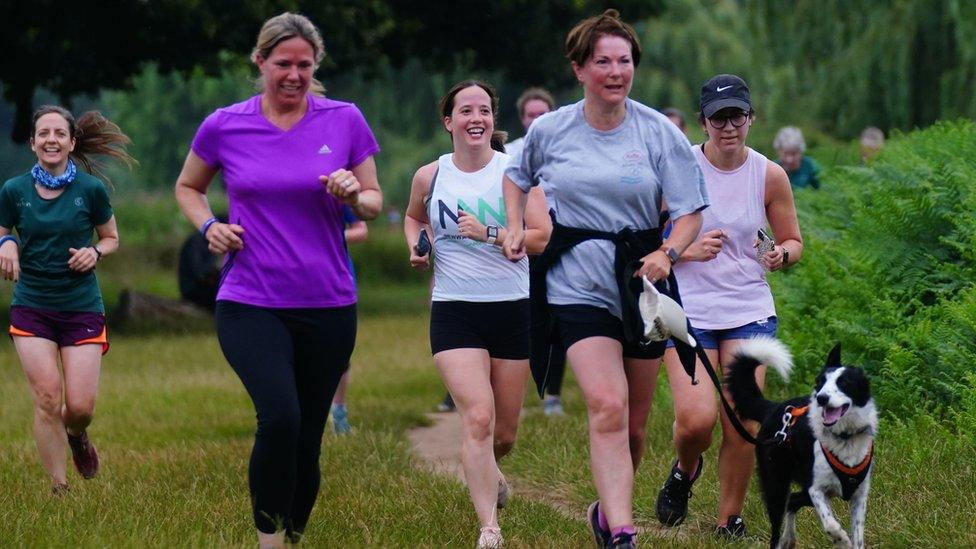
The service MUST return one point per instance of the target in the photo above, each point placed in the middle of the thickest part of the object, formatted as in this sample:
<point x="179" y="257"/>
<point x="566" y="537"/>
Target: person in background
<point x="677" y="117"/>
<point x="726" y="296"/>
<point x="533" y="103"/>
<point x="286" y="308"/>
<point x="872" y="141"/>
<point x="355" y="231"/>
<point x="607" y="164"/>
<point x="802" y="170"/>
<point x="57" y="313"/>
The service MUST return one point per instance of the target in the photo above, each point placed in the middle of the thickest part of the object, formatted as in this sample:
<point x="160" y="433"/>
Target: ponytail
<point x="498" y="139"/>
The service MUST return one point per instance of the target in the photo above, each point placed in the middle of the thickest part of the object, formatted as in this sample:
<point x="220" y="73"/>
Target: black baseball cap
<point x="722" y="92"/>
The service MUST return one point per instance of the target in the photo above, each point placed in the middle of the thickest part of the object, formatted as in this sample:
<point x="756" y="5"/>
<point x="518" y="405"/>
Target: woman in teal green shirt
<point x="802" y="170"/>
<point x="57" y="308"/>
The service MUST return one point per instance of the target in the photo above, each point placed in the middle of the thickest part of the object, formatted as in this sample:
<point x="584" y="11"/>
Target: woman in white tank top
<point x="722" y="279"/>
<point x="479" y="329"/>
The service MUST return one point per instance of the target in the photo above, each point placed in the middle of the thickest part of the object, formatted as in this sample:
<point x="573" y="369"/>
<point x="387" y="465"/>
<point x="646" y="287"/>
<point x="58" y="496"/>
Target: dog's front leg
<point x="830" y="525"/>
<point x="859" y="509"/>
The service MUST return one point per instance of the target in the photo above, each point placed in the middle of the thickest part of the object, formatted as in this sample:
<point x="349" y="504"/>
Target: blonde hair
<point x="94" y="135"/>
<point x="582" y="39"/>
<point x="285" y="27"/>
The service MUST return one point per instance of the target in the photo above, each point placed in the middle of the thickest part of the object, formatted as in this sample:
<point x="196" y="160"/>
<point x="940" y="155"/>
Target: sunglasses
<point x="737" y="119"/>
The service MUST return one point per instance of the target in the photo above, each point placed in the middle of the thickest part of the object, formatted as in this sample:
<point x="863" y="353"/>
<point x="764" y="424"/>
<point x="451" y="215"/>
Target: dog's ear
<point x="833" y="359"/>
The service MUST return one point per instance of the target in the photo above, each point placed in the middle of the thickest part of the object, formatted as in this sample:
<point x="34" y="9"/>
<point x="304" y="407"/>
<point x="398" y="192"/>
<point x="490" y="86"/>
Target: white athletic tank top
<point x="465" y="269"/>
<point x="730" y="290"/>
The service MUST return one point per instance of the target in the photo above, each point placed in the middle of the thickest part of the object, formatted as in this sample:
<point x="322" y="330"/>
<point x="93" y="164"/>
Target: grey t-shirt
<point x="605" y="180"/>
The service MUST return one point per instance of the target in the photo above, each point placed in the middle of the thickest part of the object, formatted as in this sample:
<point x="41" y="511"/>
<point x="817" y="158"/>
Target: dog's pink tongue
<point x="831" y="415"/>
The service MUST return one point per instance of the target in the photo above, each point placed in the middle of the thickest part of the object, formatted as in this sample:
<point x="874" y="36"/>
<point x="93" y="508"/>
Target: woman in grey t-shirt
<point x="606" y="164"/>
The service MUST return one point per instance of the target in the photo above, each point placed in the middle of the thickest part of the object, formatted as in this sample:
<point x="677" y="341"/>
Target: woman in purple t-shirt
<point x="286" y="307"/>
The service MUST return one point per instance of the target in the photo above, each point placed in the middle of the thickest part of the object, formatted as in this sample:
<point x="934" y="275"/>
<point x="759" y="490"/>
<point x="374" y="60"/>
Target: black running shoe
<point x="624" y="540"/>
<point x="734" y="529"/>
<point x="672" y="500"/>
<point x="447" y="405"/>
<point x="84" y="455"/>
<point x="600" y="536"/>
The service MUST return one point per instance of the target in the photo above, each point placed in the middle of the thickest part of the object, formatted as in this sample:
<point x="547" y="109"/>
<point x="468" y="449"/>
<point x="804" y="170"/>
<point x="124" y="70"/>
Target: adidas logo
<point x="325" y="150"/>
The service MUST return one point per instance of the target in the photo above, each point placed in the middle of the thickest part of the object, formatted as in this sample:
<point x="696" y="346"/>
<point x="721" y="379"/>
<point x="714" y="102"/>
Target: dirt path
<point x="438" y="448"/>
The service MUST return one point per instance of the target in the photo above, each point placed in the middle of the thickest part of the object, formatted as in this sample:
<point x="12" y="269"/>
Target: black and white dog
<point x="825" y="441"/>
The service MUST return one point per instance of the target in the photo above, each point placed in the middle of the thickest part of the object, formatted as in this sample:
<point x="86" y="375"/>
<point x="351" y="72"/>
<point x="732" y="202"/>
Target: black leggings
<point x="290" y="361"/>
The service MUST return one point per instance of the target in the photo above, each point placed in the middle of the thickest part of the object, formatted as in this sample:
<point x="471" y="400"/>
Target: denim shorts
<point x="709" y="339"/>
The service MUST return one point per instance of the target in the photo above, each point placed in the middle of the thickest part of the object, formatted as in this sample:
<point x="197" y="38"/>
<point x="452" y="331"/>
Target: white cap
<point x="663" y="317"/>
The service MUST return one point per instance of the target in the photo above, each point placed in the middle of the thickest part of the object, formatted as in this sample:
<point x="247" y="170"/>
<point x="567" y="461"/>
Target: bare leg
<point x="82" y="366"/>
<point x="39" y="358"/>
<point x="598" y="365"/>
<point x="736" y="457"/>
<point x="695" y="409"/>
<point x="641" y="381"/>
<point x="508" y="382"/>
<point x="340" y="394"/>
<point x="467" y="374"/>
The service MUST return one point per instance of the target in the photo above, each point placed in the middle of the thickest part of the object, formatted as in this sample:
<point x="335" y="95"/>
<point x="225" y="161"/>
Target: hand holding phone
<point x="423" y="244"/>
<point x="764" y="243"/>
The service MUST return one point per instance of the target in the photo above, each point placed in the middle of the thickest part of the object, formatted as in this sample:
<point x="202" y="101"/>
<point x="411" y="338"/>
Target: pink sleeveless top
<point x="730" y="290"/>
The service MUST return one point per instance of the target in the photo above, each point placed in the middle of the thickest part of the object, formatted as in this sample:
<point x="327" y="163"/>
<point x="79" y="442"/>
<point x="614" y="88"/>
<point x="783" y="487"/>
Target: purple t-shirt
<point x="294" y="252"/>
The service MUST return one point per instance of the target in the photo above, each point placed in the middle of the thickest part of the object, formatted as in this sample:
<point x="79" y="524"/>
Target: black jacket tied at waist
<point x="630" y="247"/>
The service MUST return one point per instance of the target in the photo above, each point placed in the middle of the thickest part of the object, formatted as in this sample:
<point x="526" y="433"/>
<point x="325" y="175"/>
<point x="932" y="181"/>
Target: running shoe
<point x="600" y="536"/>
<point x="503" y="491"/>
<point x="624" y="540"/>
<point x="734" y="529"/>
<point x="490" y="538"/>
<point x="553" y="406"/>
<point x="340" y="419"/>
<point x="672" y="500"/>
<point x="83" y="454"/>
<point x="447" y="405"/>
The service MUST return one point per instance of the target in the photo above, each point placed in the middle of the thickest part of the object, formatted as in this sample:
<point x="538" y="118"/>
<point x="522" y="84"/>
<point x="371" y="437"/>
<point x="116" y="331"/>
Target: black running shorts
<point x="500" y="327"/>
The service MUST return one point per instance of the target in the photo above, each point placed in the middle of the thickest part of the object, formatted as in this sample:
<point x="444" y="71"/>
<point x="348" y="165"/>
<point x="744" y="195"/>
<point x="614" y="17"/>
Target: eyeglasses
<point x="737" y="119"/>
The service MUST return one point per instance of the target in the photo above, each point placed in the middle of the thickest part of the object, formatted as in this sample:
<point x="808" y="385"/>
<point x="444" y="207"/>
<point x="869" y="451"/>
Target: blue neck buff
<point x="52" y="182"/>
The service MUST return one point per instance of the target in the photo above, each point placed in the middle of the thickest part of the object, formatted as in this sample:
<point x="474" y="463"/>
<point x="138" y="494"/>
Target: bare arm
<point x="416" y="215"/>
<point x="684" y="230"/>
<point x="191" y="195"/>
<point x="9" y="258"/>
<point x="84" y="259"/>
<point x="781" y="214"/>
<point x="358" y="188"/>
<point x="515" y="203"/>
<point x="357" y="232"/>
<point x="537" y="225"/>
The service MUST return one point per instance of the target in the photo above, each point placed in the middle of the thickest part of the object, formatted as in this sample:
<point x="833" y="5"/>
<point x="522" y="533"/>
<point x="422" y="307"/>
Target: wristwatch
<point x="672" y="254"/>
<point x="98" y="253"/>
<point x="786" y="255"/>
<point x="492" y="232"/>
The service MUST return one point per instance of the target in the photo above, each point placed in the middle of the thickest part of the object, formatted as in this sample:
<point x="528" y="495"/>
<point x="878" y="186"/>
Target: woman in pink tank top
<point x="722" y="280"/>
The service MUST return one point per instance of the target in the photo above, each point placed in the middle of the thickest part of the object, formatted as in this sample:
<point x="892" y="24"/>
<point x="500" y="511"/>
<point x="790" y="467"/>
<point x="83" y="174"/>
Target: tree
<point x="77" y="47"/>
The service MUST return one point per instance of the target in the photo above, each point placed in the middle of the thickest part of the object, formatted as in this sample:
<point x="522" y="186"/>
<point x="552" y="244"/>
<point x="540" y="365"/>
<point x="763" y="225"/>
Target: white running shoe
<point x="490" y="538"/>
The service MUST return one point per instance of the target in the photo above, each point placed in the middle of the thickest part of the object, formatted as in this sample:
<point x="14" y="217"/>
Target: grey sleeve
<point x="523" y="167"/>
<point x="683" y="184"/>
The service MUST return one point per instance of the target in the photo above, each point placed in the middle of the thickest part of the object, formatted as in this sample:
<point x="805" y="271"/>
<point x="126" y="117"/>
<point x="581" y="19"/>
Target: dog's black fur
<point x="841" y="418"/>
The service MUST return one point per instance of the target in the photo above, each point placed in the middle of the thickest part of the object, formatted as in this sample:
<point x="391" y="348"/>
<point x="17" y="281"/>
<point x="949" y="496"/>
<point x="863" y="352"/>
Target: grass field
<point x="174" y="428"/>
